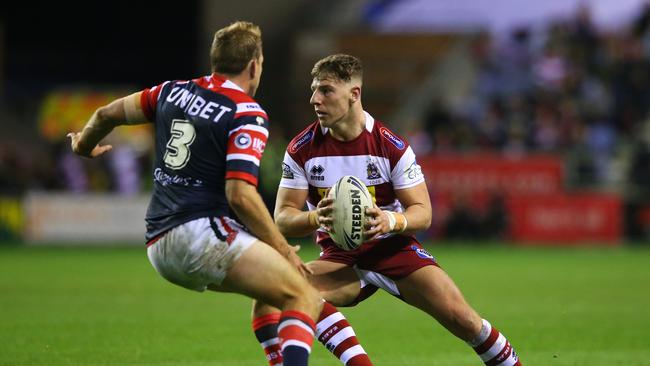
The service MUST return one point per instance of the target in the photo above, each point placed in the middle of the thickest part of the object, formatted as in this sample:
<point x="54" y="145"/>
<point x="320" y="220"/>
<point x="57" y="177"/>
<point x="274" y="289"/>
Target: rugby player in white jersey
<point x="210" y="136"/>
<point x="346" y="140"/>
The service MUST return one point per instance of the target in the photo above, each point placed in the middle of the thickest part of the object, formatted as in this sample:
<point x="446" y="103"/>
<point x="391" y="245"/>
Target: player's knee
<point x="302" y="296"/>
<point x="313" y="300"/>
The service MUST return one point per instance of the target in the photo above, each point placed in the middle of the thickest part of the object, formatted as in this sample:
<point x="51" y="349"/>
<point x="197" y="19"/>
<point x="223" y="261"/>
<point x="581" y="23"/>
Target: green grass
<point x="107" y="306"/>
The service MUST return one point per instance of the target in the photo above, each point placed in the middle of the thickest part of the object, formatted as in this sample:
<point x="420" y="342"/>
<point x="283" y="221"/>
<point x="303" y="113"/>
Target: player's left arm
<point x="416" y="215"/>
<point x="417" y="207"/>
<point x="123" y="111"/>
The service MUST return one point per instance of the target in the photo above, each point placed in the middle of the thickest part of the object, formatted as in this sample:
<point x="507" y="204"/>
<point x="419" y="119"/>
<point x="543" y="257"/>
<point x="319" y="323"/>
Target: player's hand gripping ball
<point x="351" y="198"/>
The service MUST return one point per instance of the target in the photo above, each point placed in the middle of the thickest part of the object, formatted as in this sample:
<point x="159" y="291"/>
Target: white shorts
<point x="378" y="280"/>
<point x="200" y="252"/>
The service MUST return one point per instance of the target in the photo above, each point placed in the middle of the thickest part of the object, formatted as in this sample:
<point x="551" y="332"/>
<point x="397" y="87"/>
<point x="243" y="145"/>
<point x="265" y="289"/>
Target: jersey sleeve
<point x="246" y="110"/>
<point x="246" y="142"/>
<point x="406" y="173"/>
<point x="148" y="100"/>
<point x="293" y="175"/>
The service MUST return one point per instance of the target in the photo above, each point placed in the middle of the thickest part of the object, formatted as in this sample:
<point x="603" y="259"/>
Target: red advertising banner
<point x="531" y="191"/>
<point x="482" y="173"/>
<point x="593" y="218"/>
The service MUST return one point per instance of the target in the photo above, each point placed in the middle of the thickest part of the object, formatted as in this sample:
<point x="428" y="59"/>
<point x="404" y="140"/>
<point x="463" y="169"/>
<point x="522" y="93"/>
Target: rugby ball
<point x="351" y="198"/>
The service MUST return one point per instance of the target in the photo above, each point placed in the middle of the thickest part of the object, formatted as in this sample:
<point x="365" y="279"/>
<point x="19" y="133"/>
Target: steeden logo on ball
<point x="351" y="198"/>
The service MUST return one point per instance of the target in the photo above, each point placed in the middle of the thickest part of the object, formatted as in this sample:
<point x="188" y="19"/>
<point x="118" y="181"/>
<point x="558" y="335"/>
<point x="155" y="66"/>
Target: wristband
<point x="391" y="220"/>
<point x="313" y="218"/>
<point x="405" y="224"/>
<point x="396" y="221"/>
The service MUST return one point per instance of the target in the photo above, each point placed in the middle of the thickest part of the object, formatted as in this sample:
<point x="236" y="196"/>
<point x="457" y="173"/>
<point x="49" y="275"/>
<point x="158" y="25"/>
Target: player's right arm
<point x="293" y="192"/>
<point x="290" y="217"/>
<point x="247" y="139"/>
<point x="126" y="110"/>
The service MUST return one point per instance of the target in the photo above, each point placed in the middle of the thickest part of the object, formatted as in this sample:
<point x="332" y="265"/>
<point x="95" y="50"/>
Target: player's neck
<point x="351" y="127"/>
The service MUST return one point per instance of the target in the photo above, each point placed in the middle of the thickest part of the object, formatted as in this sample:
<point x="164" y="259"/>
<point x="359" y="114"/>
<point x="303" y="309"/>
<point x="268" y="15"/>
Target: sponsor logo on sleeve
<point x="243" y="141"/>
<point x="259" y="145"/>
<point x="301" y="141"/>
<point x="248" y="107"/>
<point x="286" y="171"/>
<point x="392" y="138"/>
<point x="414" y="171"/>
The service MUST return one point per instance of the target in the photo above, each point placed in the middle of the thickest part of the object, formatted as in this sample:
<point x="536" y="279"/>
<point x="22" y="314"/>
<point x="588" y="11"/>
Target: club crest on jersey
<point x="286" y="171"/>
<point x="421" y="252"/>
<point x="372" y="171"/>
<point x="243" y="141"/>
<point x="301" y="141"/>
<point x="392" y="138"/>
<point x="317" y="172"/>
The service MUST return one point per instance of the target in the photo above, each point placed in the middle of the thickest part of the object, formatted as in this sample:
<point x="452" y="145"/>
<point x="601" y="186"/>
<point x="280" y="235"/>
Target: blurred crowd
<point x="567" y="88"/>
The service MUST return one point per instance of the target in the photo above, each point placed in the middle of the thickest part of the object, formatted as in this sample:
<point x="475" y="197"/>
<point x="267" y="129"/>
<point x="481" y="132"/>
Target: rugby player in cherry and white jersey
<point x="346" y="140"/>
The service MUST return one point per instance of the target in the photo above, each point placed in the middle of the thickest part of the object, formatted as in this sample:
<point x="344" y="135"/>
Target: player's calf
<point x="332" y="330"/>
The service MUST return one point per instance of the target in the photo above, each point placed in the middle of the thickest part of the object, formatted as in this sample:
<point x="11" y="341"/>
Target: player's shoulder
<point x="388" y="138"/>
<point x="245" y="105"/>
<point x="175" y="83"/>
<point x="157" y="89"/>
<point x="224" y="87"/>
<point x="303" y="138"/>
<point x="167" y="88"/>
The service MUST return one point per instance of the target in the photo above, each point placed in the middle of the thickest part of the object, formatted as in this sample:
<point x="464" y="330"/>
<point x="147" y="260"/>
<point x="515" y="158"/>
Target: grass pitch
<point x="107" y="306"/>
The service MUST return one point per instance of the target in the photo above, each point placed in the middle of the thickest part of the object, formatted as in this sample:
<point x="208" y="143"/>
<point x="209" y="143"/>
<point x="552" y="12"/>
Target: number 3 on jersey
<point x="178" y="152"/>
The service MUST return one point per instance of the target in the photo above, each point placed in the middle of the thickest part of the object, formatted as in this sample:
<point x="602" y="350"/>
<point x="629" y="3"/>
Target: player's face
<point x="331" y="99"/>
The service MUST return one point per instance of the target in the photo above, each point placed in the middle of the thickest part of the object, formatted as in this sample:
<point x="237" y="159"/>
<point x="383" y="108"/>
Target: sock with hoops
<point x="336" y="334"/>
<point x="493" y="348"/>
<point x="296" y="333"/>
<point x="266" y="332"/>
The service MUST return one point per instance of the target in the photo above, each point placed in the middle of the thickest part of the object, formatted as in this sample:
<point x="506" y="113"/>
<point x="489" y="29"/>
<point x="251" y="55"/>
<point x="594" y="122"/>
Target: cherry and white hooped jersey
<point x="385" y="162"/>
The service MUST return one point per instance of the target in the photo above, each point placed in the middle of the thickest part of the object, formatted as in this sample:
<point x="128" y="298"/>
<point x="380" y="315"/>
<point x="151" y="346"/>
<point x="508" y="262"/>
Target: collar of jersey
<point x="225" y="83"/>
<point x="370" y="123"/>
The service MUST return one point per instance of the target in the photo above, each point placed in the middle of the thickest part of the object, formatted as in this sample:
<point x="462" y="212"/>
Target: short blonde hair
<point x="340" y="66"/>
<point x="234" y="46"/>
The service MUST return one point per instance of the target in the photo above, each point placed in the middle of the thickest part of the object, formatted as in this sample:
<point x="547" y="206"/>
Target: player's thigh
<point x="338" y="283"/>
<point x="433" y="291"/>
<point x="263" y="274"/>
